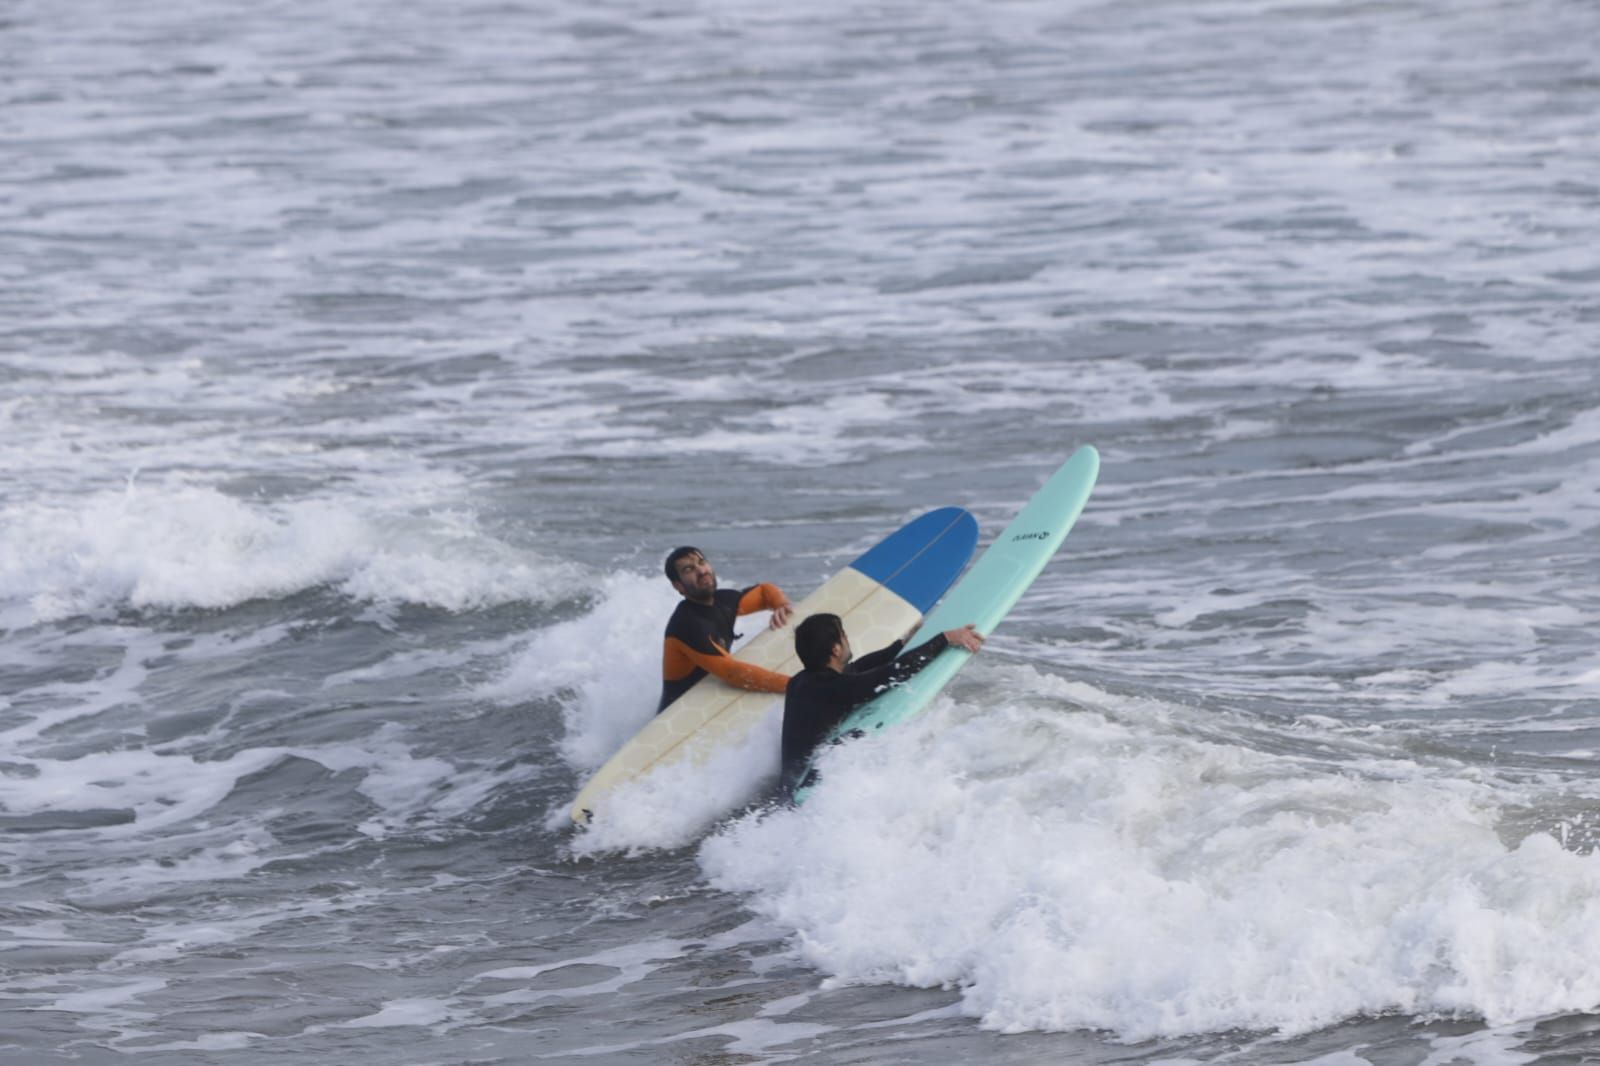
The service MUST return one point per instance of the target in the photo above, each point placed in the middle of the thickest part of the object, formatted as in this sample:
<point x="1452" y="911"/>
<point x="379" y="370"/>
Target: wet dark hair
<point x="815" y="637"/>
<point x="672" y="560"/>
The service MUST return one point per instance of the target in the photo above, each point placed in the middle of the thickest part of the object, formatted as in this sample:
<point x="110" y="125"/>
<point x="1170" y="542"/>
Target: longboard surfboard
<point x="984" y="596"/>
<point x="881" y="595"/>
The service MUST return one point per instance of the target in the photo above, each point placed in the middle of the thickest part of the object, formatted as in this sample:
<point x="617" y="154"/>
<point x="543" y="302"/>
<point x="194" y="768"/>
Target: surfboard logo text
<point x="1032" y="536"/>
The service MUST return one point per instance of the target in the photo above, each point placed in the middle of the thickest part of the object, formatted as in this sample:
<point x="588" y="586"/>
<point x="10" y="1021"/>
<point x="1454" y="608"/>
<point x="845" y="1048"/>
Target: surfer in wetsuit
<point x="700" y="632"/>
<point x="823" y="694"/>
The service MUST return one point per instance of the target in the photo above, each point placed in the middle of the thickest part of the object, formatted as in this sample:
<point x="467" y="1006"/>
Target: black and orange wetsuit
<point x="821" y="698"/>
<point x="699" y="637"/>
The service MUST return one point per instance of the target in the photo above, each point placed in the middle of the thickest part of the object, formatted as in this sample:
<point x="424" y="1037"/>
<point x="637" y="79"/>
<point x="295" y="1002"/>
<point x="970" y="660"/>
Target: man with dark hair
<point x="700" y="632"/>
<point x="823" y="694"/>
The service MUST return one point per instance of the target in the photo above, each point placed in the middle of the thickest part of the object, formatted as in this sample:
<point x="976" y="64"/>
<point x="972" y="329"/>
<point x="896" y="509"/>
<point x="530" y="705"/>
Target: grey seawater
<point x="344" y="348"/>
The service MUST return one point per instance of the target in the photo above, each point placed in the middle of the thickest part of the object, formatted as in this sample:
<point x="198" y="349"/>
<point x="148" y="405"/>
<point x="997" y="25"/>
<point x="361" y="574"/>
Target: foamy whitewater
<point x="360" y="363"/>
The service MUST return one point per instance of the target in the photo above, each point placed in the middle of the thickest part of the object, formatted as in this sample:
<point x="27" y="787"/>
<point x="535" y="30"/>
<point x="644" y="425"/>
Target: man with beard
<point x="700" y="634"/>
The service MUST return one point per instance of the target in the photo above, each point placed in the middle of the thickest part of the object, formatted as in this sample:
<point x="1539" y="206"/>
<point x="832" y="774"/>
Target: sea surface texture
<point x="361" y="361"/>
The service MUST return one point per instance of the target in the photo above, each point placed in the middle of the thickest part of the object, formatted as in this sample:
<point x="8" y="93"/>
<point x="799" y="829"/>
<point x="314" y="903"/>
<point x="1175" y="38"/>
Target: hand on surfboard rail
<point x="966" y="637"/>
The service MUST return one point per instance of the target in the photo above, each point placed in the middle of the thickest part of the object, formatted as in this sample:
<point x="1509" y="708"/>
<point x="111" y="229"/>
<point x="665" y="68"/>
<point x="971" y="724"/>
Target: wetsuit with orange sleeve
<point x="818" y="699"/>
<point x="699" y="636"/>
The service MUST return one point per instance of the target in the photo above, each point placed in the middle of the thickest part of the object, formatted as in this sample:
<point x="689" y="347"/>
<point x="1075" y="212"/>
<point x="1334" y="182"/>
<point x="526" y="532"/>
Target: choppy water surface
<point x="359" y="363"/>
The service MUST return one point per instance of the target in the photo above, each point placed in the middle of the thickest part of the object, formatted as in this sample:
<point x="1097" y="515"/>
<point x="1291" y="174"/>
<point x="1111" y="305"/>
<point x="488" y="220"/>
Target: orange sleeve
<point x="726" y="667"/>
<point x="763" y="597"/>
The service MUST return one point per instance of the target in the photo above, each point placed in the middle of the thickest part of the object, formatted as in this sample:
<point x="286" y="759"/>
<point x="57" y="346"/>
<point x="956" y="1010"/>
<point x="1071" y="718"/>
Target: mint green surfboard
<point x="984" y="595"/>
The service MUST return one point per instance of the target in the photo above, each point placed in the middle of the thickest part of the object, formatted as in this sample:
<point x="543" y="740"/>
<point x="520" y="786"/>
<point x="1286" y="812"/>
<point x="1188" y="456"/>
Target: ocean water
<point x="359" y="362"/>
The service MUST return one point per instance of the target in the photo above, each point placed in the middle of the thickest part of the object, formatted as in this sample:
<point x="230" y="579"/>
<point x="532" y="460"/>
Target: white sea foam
<point x="831" y="429"/>
<point x="165" y="792"/>
<point x="229" y="1041"/>
<point x="109" y="997"/>
<point x="157" y="789"/>
<point x="1066" y="870"/>
<point x="176" y="939"/>
<point x="415" y="1012"/>
<point x="605" y="667"/>
<point x="58" y="702"/>
<point x="177" y="546"/>
<point x="675" y="804"/>
<point x="623" y="966"/>
<point x="1489" y="1047"/>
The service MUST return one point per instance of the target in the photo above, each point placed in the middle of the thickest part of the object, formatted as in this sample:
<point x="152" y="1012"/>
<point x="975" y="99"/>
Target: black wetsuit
<point x="698" y="639"/>
<point x="817" y="700"/>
